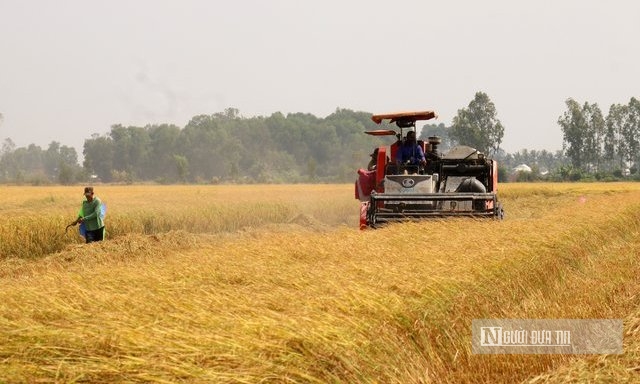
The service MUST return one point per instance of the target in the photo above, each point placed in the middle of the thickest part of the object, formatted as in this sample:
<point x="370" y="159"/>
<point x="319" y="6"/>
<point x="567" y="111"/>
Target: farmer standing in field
<point x="91" y="215"/>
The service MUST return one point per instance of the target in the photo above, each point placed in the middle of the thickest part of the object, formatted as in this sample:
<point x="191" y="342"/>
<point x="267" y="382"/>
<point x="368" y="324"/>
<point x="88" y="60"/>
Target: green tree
<point x="6" y="159"/>
<point x="478" y="125"/>
<point x="614" y="145"/>
<point x="203" y="142"/>
<point x="575" y="129"/>
<point x="98" y="156"/>
<point x="595" y="124"/>
<point x="161" y="163"/>
<point x="24" y="164"/>
<point x="65" y="174"/>
<point x="8" y="146"/>
<point x="631" y="132"/>
<point x="61" y="163"/>
<point x="130" y="148"/>
<point x="182" y="167"/>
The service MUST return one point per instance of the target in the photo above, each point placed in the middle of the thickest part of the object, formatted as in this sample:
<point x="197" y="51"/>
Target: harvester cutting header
<point x="411" y="179"/>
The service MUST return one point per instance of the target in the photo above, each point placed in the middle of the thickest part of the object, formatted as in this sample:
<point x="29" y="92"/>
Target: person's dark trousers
<point x="96" y="235"/>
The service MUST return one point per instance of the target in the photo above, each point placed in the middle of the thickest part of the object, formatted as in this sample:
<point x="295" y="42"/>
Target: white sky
<point x="70" y="68"/>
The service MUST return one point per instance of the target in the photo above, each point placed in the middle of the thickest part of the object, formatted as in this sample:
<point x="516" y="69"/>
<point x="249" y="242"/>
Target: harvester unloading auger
<point x="461" y="182"/>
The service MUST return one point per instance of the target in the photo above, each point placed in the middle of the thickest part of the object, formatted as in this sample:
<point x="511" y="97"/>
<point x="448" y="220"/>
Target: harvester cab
<point x="411" y="179"/>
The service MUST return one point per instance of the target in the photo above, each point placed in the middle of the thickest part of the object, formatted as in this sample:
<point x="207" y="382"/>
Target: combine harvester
<point x="461" y="182"/>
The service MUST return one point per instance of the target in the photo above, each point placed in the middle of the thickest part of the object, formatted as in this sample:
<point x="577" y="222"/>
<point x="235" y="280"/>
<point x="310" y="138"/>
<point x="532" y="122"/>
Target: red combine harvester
<point x="461" y="182"/>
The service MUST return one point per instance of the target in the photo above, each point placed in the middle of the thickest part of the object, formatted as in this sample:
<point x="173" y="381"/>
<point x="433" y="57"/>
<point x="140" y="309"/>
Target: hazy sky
<point x="69" y="69"/>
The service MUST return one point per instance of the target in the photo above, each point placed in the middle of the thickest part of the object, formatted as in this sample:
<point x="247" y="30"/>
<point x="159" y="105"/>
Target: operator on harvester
<point x="409" y="152"/>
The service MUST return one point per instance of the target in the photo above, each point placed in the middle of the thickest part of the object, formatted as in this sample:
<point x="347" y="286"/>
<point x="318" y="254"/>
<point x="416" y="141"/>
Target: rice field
<point x="275" y="284"/>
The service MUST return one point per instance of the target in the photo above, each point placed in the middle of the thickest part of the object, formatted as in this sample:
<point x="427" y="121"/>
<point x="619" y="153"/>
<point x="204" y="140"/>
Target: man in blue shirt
<point x="410" y="153"/>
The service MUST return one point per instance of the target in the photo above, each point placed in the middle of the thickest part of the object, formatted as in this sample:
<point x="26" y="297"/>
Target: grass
<point x="297" y="296"/>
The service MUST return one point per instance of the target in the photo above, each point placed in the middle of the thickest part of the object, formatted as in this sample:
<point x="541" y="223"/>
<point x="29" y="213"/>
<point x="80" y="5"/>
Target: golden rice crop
<point x="301" y="298"/>
<point x="33" y="219"/>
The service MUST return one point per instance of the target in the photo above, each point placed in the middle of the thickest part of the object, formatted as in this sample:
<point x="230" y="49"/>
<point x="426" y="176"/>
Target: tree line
<point x="222" y="147"/>
<point x="33" y="165"/>
<point x="227" y="148"/>
<point x="599" y="145"/>
<point x="595" y="147"/>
